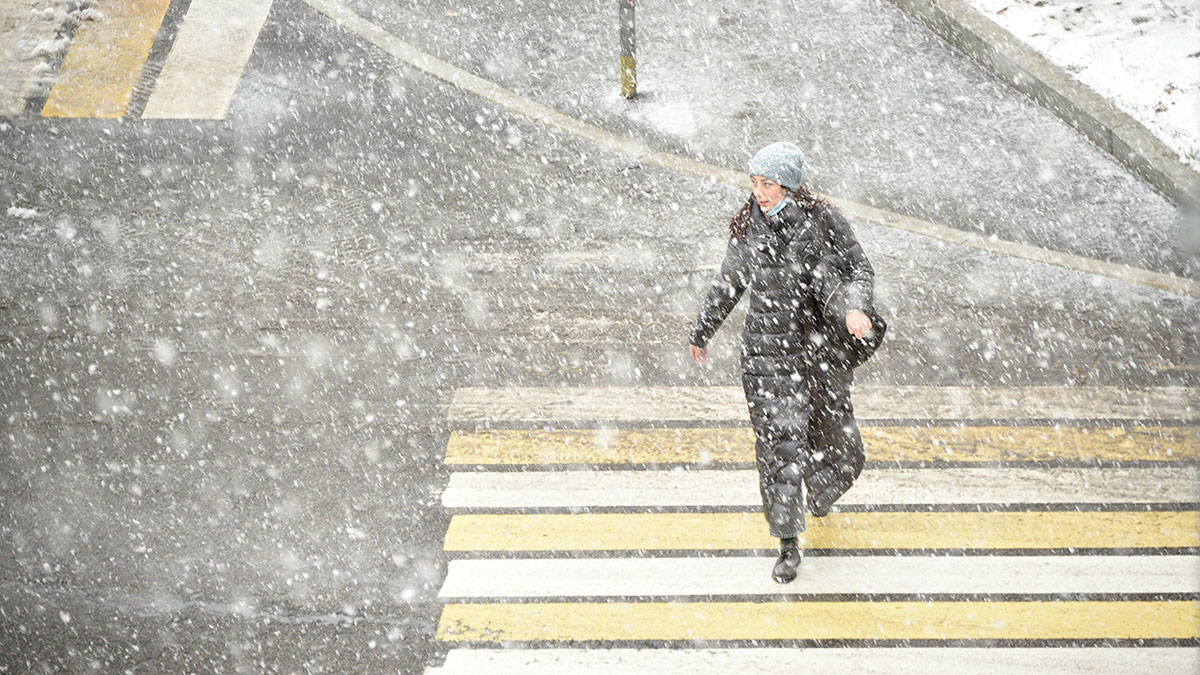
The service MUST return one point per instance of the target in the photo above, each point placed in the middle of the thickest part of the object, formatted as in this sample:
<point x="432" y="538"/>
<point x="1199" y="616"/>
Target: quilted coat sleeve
<point x="852" y="260"/>
<point x="723" y="295"/>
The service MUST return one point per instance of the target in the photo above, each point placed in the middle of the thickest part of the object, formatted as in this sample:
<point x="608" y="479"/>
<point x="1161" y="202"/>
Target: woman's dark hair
<point x="805" y="199"/>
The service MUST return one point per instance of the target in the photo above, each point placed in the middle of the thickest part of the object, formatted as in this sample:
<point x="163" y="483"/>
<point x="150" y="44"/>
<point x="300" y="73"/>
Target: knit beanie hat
<point x="780" y="162"/>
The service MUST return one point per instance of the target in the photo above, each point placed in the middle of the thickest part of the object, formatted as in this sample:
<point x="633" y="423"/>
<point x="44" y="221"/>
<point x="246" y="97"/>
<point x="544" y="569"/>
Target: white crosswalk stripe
<point x="697" y="576"/>
<point x="541" y="489"/>
<point x="879" y="661"/>
<point x="674" y="404"/>
<point x="207" y="60"/>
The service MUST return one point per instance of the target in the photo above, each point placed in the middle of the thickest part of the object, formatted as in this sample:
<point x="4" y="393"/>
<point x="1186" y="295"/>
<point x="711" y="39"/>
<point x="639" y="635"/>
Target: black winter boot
<point x="788" y="562"/>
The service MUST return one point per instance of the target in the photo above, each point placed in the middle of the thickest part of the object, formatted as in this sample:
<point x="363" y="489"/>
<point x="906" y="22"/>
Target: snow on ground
<point x="1142" y="55"/>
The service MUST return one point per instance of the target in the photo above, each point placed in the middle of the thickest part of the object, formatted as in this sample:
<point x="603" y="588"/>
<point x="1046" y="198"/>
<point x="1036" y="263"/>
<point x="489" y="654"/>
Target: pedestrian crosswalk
<point x="619" y="530"/>
<point x="106" y="60"/>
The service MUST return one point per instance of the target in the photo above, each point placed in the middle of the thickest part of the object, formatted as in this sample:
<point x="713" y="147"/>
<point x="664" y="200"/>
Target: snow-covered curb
<point x="1113" y="130"/>
<point x="1141" y="55"/>
<point x="66" y="15"/>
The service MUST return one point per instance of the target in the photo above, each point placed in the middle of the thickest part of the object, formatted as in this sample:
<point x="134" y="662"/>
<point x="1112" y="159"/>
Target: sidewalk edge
<point x="1027" y="71"/>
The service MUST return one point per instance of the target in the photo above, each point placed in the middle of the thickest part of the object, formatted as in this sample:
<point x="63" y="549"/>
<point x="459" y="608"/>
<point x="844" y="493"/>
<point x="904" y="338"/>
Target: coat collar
<point x="791" y="222"/>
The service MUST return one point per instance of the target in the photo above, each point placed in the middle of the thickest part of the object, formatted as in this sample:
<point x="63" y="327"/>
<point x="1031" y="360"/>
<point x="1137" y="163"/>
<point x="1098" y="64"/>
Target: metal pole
<point x="628" y="60"/>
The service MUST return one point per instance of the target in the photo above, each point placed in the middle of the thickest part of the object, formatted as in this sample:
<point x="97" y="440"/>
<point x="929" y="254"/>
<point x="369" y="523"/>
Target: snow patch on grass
<point x="1141" y="55"/>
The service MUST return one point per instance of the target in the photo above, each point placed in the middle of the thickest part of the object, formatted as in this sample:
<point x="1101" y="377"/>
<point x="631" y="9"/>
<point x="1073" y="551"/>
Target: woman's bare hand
<point x="858" y="323"/>
<point x="699" y="354"/>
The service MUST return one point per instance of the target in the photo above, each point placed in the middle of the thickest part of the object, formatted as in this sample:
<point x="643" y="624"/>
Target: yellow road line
<point x="885" y="444"/>
<point x="105" y="60"/>
<point x="820" y="621"/>
<point x="871" y="530"/>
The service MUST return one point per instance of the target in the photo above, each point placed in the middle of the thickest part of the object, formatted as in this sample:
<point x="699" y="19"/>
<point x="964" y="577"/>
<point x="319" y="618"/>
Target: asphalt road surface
<point x="275" y="361"/>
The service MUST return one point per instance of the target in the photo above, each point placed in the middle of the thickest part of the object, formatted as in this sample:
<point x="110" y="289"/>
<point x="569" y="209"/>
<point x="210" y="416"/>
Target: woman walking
<point x="787" y="247"/>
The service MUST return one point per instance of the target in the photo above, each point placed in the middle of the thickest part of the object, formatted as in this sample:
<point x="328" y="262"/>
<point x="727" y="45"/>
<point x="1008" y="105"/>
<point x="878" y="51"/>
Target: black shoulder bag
<point x="832" y="304"/>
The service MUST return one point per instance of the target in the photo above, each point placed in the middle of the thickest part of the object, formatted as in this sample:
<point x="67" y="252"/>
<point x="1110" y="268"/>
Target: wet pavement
<point x="227" y="347"/>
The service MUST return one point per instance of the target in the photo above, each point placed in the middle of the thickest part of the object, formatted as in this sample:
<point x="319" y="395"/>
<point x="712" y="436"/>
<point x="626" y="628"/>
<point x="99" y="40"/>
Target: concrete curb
<point x="1030" y="73"/>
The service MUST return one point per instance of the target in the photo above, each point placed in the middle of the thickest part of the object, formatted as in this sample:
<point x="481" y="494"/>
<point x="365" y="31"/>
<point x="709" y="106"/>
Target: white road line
<point x="707" y="404"/>
<point x="207" y="60"/>
<point x="698" y="576"/>
<point x="564" y="489"/>
<point x="607" y="140"/>
<point x="875" y="661"/>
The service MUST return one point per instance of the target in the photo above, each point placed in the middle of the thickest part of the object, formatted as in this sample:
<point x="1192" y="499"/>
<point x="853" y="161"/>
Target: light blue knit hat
<point x="780" y="162"/>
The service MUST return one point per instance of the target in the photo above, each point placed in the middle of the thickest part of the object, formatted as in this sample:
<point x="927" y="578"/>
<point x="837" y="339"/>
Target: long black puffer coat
<point x="799" y="398"/>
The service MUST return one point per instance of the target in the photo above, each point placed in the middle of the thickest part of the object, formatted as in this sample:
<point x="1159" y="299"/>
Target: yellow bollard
<point x="628" y="59"/>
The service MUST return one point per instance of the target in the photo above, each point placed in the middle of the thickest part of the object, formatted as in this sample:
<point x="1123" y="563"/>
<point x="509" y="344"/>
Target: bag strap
<point x="823" y="228"/>
<point x="821" y="214"/>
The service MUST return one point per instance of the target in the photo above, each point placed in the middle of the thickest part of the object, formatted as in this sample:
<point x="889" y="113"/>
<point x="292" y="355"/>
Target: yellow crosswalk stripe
<point x="820" y="621"/>
<point x="102" y="67"/>
<point x="884" y="444"/>
<point x="870" y="530"/>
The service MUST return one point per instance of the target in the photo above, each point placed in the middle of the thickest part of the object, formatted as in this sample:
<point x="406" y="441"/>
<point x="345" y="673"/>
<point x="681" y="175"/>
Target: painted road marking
<point x="842" y="531"/>
<point x="1090" y="570"/>
<point x="877" y="661"/>
<point x="820" y="575"/>
<point x="675" y="404"/>
<point x="488" y="490"/>
<point x="206" y="62"/>
<point x="21" y="32"/>
<point x="641" y="152"/>
<point x="1036" y="620"/>
<point x="884" y="444"/>
<point x="102" y="67"/>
